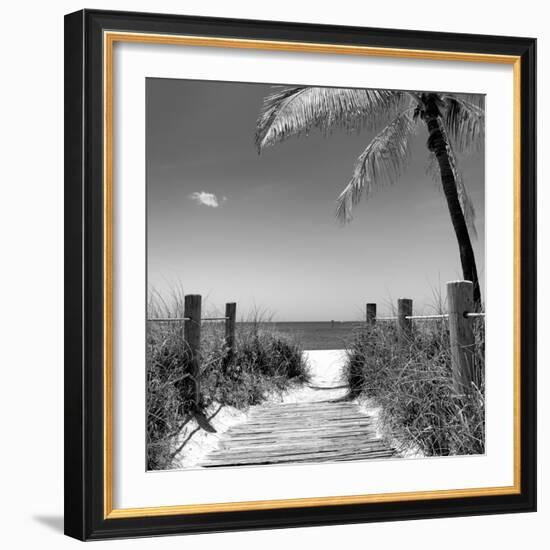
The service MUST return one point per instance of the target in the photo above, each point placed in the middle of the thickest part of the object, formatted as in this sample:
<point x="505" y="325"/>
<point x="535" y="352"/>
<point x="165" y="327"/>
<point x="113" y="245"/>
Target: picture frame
<point x="90" y="158"/>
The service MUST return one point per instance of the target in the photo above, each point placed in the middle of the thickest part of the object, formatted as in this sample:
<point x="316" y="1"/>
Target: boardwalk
<point x="320" y="426"/>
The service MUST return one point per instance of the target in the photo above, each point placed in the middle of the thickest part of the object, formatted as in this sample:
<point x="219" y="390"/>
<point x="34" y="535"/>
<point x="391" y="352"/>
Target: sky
<point x="259" y="229"/>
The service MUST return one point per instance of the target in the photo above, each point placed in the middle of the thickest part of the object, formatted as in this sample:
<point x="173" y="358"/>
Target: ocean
<point x="318" y="335"/>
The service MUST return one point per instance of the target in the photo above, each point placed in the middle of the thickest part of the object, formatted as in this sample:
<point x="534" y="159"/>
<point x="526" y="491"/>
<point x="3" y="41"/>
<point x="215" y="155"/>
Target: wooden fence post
<point x="404" y="325"/>
<point x="460" y="300"/>
<point x="192" y="335"/>
<point x="371" y="314"/>
<point x="230" y="316"/>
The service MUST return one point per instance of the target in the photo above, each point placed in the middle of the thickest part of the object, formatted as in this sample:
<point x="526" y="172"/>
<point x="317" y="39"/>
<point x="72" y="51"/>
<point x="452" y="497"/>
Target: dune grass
<point x="412" y="383"/>
<point x="264" y="362"/>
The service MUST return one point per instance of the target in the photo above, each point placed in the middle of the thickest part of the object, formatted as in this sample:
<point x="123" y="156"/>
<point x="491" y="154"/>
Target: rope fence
<point x="461" y="313"/>
<point x="168" y="319"/>
<point x="429" y="317"/>
<point x="460" y="316"/>
<point x="192" y="320"/>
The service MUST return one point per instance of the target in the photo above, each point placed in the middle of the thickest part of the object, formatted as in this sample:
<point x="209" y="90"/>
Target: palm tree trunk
<point x="437" y="143"/>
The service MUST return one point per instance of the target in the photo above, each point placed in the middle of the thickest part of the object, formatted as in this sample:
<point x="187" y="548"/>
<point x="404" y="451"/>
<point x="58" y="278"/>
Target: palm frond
<point x="477" y="100"/>
<point x="294" y="111"/>
<point x="381" y="163"/>
<point x="465" y="121"/>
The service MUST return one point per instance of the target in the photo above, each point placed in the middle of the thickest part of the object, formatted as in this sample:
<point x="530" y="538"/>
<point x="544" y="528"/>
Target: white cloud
<point x="206" y="199"/>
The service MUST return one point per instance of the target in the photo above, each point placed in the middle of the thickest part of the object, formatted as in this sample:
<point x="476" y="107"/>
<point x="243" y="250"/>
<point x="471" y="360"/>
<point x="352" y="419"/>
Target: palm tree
<point x="454" y="123"/>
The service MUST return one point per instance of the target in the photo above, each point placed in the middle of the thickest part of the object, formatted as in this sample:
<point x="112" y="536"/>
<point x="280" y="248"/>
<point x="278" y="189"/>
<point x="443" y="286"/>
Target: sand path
<point x="312" y="423"/>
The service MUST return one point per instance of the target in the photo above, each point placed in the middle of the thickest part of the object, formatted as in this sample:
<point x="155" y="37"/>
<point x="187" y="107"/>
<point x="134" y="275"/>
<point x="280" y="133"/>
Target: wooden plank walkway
<point x="318" y="431"/>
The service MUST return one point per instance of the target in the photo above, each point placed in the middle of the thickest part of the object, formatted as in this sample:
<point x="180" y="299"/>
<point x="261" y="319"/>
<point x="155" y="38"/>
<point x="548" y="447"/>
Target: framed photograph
<point x="300" y="274"/>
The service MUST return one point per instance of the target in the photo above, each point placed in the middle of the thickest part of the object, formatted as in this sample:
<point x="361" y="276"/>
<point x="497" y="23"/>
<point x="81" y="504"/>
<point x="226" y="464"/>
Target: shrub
<point x="169" y="391"/>
<point x="263" y="362"/>
<point x="412" y="383"/>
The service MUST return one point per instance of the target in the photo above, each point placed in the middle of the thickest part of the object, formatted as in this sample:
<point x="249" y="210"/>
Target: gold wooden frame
<point x="109" y="39"/>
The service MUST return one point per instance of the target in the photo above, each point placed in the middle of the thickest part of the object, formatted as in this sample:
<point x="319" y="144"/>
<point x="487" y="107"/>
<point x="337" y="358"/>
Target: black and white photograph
<point x="315" y="274"/>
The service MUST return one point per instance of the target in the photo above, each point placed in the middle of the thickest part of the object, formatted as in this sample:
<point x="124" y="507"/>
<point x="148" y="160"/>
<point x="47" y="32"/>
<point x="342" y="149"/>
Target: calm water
<point x="318" y="335"/>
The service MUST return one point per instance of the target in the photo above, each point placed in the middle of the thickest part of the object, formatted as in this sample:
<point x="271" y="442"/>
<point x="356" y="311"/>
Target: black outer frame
<point x="84" y="275"/>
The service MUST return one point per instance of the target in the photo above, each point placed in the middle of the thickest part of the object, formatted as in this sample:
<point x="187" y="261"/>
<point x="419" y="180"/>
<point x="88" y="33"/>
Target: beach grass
<point x="264" y="362"/>
<point x="412" y="384"/>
